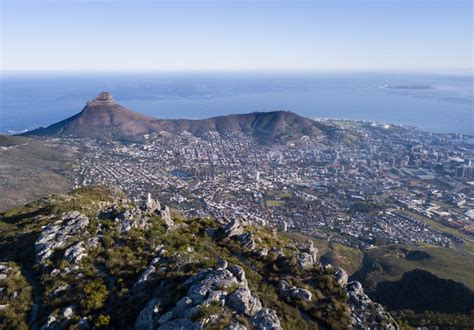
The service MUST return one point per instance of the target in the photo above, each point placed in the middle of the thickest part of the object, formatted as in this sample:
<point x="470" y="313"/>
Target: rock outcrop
<point x="234" y="229"/>
<point x="307" y="256"/>
<point x="224" y="287"/>
<point x="151" y="269"/>
<point x="364" y="312"/>
<point x="92" y="270"/>
<point x="59" y="234"/>
<point x="341" y="276"/>
<point x="293" y="292"/>
<point x="139" y="217"/>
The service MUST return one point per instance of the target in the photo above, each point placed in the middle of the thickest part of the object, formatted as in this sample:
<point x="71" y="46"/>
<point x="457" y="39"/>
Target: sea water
<point x="431" y="102"/>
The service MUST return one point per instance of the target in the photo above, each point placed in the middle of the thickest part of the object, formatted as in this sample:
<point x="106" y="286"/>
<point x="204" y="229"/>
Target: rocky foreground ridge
<point x="95" y="259"/>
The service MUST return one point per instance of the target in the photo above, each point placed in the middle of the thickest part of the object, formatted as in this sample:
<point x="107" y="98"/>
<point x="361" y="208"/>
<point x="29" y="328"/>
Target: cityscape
<point x="376" y="183"/>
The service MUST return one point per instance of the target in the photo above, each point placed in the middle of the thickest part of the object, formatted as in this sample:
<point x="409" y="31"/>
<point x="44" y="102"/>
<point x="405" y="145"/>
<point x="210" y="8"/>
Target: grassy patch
<point x="272" y="203"/>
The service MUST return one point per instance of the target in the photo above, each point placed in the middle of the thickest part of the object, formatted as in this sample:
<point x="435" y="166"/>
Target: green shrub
<point x="212" y="308"/>
<point x="102" y="321"/>
<point x="95" y="295"/>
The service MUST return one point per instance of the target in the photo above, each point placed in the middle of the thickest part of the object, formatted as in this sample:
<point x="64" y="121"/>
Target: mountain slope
<point x="421" y="291"/>
<point x="103" y="118"/>
<point x="92" y="258"/>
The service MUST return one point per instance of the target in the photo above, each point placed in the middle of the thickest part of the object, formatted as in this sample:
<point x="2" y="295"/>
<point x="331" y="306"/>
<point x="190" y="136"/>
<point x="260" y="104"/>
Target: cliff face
<point x="103" y="118"/>
<point x="94" y="258"/>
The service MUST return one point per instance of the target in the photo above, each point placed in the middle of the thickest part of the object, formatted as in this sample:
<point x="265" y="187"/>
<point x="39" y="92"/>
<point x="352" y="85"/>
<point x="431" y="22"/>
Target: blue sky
<point x="358" y="35"/>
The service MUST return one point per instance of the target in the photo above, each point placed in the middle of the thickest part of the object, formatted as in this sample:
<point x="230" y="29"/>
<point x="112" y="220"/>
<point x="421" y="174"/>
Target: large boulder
<point x="165" y="214"/>
<point x="304" y="261"/>
<point x="238" y="272"/>
<point x="244" y="302"/>
<point x="294" y="292"/>
<point x="233" y="228"/>
<point x="266" y="319"/>
<point x="213" y="280"/>
<point x="341" y="276"/>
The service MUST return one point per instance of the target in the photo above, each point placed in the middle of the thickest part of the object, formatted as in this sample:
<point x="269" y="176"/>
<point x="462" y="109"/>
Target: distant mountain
<point x="103" y="118"/>
<point x="421" y="291"/>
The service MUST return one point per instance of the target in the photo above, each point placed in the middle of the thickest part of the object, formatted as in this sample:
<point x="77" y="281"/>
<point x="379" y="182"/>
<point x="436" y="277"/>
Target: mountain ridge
<point x="93" y="258"/>
<point x="103" y="118"/>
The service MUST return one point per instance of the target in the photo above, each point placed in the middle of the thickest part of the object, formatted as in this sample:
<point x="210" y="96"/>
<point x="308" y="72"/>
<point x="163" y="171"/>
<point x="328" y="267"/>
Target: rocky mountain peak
<point x="104" y="98"/>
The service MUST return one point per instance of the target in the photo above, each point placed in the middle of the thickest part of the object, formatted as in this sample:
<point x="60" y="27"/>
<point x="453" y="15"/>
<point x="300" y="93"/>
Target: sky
<point x="326" y="35"/>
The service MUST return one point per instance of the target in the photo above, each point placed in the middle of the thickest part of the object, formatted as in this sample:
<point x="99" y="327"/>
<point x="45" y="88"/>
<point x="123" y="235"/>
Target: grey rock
<point x="304" y="261"/>
<point x="146" y="317"/>
<point x="4" y="268"/>
<point x="293" y="292"/>
<point x="57" y="235"/>
<point x="150" y="205"/>
<point x="244" y="302"/>
<point x="278" y="251"/>
<point x="364" y="312"/>
<point x="355" y="287"/>
<point x="144" y="276"/>
<point x="213" y="280"/>
<point x="75" y="252"/>
<point x="246" y="241"/>
<point x="151" y="269"/>
<point x="233" y="228"/>
<point x="181" y="324"/>
<point x="236" y="326"/>
<point x="266" y="319"/>
<point x="300" y="293"/>
<point x="341" y="276"/>
<point x="68" y="312"/>
<point x="182" y="307"/>
<point x="221" y="263"/>
<point x="238" y="272"/>
<point x="165" y="214"/>
<point x="308" y="247"/>
<point x="60" y="289"/>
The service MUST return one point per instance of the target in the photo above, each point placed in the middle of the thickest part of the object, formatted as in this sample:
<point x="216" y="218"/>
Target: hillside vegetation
<point x="40" y="168"/>
<point x="93" y="259"/>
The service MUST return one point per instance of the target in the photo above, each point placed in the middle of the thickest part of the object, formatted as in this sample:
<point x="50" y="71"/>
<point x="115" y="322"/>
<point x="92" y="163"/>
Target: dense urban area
<point x="381" y="187"/>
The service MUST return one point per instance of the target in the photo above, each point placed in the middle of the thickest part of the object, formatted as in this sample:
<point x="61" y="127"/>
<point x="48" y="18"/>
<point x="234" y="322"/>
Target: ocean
<point x="431" y="102"/>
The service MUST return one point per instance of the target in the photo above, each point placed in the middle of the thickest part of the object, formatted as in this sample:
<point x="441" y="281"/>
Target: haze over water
<point x="437" y="103"/>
